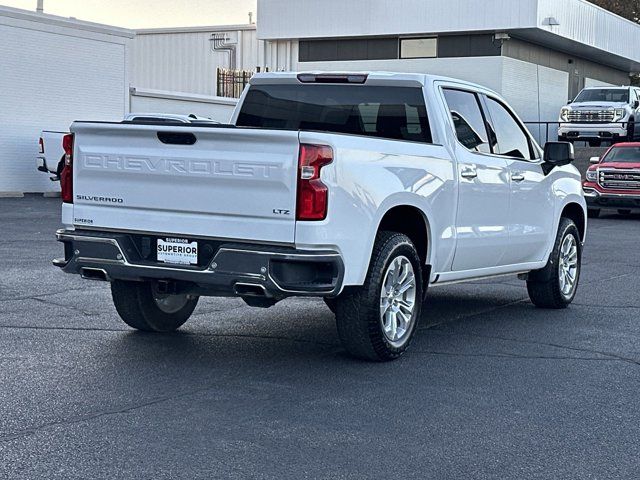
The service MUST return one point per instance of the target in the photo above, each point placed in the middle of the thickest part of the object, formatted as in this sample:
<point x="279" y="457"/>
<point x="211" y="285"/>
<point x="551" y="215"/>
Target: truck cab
<point x="602" y="114"/>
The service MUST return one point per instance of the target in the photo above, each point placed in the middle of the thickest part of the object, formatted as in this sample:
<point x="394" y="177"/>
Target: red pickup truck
<point x="613" y="182"/>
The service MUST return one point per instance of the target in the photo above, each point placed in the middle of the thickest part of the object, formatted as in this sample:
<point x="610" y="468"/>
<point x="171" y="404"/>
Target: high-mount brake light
<point x="312" y="201"/>
<point x="66" y="176"/>
<point x="332" y="78"/>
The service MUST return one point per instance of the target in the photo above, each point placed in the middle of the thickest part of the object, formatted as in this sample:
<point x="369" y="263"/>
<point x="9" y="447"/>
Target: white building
<point x="537" y="53"/>
<point x="174" y="69"/>
<point x="53" y="71"/>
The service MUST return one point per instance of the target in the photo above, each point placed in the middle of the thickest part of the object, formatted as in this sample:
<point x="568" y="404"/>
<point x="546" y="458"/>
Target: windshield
<point x="614" y="95"/>
<point x="623" y="155"/>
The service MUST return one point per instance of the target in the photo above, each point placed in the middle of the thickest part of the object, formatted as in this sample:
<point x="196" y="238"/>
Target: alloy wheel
<point x="568" y="265"/>
<point x="398" y="301"/>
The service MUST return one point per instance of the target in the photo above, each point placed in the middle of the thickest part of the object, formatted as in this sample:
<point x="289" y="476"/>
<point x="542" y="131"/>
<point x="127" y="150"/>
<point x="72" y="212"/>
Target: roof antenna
<point x="40" y="7"/>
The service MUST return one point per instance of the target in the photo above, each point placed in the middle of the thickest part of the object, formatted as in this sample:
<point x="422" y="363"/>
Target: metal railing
<point x="548" y="131"/>
<point x="231" y="83"/>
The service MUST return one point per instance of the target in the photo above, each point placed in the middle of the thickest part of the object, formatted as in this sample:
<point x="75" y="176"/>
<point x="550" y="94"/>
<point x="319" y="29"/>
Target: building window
<point x="348" y="49"/>
<point x="419" y="47"/>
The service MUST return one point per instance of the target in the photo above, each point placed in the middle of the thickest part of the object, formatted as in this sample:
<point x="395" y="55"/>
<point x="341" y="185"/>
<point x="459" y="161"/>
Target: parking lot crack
<point x="621" y="307"/>
<point x="515" y="356"/>
<point x="192" y="334"/>
<point x="545" y="344"/>
<point x="97" y="415"/>
<point x="77" y="329"/>
<point x="69" y="306"/>
<point x="42" y="295"/>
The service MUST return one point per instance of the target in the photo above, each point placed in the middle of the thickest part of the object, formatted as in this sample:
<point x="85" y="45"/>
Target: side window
<point x="511" y="139"/>
<point x="468" y="120"/>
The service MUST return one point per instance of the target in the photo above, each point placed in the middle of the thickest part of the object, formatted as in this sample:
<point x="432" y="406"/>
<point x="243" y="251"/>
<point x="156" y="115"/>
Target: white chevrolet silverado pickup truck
<point x="363" y="189"/>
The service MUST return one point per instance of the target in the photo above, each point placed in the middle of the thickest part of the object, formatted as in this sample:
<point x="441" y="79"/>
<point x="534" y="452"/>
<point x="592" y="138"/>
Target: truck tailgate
<point x="231" y="183"/>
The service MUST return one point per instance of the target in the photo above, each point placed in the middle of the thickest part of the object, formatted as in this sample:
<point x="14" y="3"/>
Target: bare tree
<point x="625" y="8"/>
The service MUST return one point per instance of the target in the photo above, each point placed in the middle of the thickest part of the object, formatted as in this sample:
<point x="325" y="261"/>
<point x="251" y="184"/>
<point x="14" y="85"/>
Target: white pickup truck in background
<point x="50" y="157"/>
<point x="602" y="114"/>
<point x="363" y="189"/>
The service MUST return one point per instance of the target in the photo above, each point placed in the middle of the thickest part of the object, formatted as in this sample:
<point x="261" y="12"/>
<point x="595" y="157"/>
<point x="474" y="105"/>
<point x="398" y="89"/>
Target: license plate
<point x="177" y="251"/>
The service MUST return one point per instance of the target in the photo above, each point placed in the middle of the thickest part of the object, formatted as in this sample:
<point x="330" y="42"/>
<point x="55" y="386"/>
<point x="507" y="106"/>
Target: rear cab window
<point x="397" y="113"/>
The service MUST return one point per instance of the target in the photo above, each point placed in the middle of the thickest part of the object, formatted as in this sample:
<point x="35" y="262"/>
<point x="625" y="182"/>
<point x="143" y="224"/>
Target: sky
<point x="147" y="13"/>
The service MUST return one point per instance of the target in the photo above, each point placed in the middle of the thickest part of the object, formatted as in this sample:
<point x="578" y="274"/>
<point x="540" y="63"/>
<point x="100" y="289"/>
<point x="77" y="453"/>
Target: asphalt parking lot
<point x="491" y="388"/>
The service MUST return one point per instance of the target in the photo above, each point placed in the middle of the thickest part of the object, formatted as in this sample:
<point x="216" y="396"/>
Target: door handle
<point x="517" y="177"/>
<point x="469" y="173"/>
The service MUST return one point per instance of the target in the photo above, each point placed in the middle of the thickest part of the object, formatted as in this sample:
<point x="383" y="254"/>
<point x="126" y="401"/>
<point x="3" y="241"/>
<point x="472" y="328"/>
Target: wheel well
<point x="411" y="222"/>
<point x="575" y="212"/>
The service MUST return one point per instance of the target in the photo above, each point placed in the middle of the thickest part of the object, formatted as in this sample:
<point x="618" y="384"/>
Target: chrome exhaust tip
<point x="97" y="274"/>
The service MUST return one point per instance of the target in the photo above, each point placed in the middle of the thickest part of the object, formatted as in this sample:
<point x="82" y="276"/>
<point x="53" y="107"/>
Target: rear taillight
<point x="41" y="146"/>
<point x="312" y="193"/>
<point x="66" y="177"/>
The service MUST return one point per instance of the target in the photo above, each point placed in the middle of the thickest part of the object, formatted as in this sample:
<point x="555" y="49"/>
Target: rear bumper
<point x="597" y="199"/>
<point x="234" y="269"/>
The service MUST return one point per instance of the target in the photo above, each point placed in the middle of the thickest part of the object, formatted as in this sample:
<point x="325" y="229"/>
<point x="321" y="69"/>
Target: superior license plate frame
<point x="177" y="251"/>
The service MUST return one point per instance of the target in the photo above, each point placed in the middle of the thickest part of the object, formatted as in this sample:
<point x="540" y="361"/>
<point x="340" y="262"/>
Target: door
<point x="484" y="191"/>
<point x="531" y="211"/>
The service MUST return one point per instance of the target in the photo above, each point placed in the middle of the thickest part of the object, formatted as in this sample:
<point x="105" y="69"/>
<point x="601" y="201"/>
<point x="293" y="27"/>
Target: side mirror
<point x="557" y="154"/>
<point x="594" y="160"/>
<point x="636" y="104"/>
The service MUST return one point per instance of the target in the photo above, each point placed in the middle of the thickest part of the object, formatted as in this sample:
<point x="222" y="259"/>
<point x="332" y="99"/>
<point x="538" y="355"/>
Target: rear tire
<point x="141" y="307"/>
<point x="555" y="286"/>
<point x="593" y="212"/>
<point x="378" y="321"/>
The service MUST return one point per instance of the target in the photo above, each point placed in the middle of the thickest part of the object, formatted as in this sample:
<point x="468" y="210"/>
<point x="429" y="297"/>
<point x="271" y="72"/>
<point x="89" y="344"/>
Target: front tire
<point x="378" y="321"/>
<point x="142" y="307"/>
<point x="631" y="131"/>
<point x="555" y="286"/>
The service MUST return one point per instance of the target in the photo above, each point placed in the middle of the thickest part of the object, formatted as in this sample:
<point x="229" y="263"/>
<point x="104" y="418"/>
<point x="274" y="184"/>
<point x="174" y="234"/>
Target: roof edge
<point x="197" y="29"/>
<point x="58" y="21"/>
